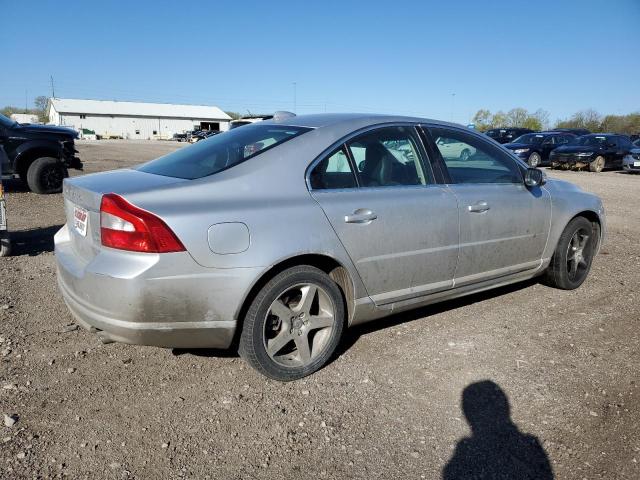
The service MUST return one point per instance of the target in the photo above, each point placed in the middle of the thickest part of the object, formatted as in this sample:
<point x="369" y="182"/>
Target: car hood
<point x="48" y="130"/>
<point x="577" y="149"/>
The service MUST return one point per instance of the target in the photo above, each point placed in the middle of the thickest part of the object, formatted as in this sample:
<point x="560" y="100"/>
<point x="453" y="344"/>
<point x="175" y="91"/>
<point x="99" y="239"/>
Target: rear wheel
<point x="597" y="165"/>
<point x="294" y="324"/>
<point x="45" y="175"/>
<point x="534" y="160"/>
<point x="572" y="259"/>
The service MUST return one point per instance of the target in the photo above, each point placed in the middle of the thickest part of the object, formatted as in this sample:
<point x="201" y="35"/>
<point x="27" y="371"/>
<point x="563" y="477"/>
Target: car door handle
<point x="479" y="207"/>
<point x="361" y="215"/>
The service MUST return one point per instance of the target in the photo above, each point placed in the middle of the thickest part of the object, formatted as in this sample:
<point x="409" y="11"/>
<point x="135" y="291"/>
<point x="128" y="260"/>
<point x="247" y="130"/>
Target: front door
<point x="399" y="228"/>
<point x="503" y="224"/>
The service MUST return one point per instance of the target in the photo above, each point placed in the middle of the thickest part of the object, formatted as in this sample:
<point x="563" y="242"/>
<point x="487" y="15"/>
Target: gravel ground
<point x="389" y="406"/>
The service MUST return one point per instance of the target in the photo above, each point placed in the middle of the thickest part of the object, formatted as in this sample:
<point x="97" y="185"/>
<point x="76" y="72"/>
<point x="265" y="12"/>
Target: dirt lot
<point x="388" y="407"/>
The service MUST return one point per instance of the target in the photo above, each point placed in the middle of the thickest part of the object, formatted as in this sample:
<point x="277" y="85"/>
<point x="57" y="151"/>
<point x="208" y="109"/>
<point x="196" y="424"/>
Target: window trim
<point x="425" y="160"/>
<point x="501" y="151"/>
<point x="343" y="147"/>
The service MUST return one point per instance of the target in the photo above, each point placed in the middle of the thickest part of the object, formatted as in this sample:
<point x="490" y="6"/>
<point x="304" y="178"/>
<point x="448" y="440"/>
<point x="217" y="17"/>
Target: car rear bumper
<point x="164" y="300"/>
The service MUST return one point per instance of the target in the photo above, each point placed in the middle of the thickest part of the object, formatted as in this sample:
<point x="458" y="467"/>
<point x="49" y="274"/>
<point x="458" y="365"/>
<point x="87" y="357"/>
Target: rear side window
<point x="333" y="172"/>
<point x="472" y="160"/>
<point x="389" y="157"/>
<point x="222" y="151"/>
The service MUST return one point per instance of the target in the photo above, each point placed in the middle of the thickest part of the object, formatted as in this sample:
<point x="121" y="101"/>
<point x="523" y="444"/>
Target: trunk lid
<point x="82" y="198"/>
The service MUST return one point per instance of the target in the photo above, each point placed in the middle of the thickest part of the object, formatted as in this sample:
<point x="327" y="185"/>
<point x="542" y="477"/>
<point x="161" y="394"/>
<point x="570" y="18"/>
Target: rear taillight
<point x="127" y="227"/>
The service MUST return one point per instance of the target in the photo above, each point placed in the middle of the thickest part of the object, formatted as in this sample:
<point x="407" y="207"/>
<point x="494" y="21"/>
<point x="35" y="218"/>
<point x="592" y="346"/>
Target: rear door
<point x="399" y="227"/>
<point x="503" y="225"/>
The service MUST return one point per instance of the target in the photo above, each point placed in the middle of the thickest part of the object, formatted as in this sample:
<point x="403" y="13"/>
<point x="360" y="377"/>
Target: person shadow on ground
<point x="496" y="448"/>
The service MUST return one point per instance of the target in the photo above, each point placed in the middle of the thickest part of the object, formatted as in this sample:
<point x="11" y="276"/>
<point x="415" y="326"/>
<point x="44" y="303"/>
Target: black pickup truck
<point x="39" y="154"/>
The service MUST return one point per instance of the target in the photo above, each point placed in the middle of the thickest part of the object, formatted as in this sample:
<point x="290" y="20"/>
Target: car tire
<point x="597" y="165"/>
<point x="275" y="339"/>
<point x="573" y="256"/>
<point x="534" y="160"/>
<point x="45" y="175"/>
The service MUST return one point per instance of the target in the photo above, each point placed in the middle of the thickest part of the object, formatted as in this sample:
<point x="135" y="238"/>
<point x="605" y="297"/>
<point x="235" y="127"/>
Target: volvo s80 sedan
<point x="279" y="235"/>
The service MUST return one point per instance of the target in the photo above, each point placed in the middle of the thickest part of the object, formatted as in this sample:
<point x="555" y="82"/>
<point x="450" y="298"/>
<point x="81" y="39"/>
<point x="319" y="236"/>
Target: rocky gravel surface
<point x="544" y="376"/>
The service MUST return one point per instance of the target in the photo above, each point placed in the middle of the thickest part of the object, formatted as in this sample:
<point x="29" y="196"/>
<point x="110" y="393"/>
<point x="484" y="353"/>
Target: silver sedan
<point x="279" y="235"/>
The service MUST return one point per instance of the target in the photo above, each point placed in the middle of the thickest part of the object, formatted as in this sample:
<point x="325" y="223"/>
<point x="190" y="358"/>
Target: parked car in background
<point x="576" y="131"/>
<point x="196" y="246"/>
<point x="596" y="151"/>
<point x="506" y="135"/>
<point x="203" y="134"/>
<point x="631" y="162"/>
<point x="453" y="149"/>
<point x="39" y="154"/>
<point x="248" y="120"/>
<point x="534" y="148"/>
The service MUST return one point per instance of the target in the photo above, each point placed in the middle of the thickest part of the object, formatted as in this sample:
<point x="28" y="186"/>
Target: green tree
<point x="482" y="120"/>
<point x="499" y="119"/>
<point x="41" y="102"/>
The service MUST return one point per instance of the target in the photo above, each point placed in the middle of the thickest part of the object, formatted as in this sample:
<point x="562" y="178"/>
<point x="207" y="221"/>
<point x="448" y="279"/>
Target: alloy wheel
<point x="299" y="325"/>
<point x="52" y="177"/>
<point x="578" y="254"/>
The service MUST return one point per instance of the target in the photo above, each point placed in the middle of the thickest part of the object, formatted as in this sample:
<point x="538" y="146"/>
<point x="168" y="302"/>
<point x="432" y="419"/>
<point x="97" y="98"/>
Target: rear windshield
<point x="221" y="151"/>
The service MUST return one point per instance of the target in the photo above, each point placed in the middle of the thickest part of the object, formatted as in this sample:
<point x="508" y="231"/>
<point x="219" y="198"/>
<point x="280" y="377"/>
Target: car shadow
<point x="496" y="449"/>
<point x="34" y="241"/>
<point x="351" y="335"/>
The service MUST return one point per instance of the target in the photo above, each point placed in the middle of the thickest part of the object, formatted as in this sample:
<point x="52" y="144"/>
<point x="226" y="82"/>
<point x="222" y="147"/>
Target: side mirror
<point x="534" y="177"/>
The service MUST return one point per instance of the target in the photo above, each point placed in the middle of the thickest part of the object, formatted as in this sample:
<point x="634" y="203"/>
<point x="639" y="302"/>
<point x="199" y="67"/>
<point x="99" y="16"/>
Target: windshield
<point x="221" y="151"/>
<point x="590" y="141"/>
<point x="6" y="122"/>
<point x="530" y="139"/>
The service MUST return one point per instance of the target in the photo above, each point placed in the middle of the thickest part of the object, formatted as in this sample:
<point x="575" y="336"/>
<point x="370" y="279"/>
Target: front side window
<point x="333" y="172"/>
<point x="388" y="156"/>
<point x="220" y="152"/>
<point x="472" y="160"/>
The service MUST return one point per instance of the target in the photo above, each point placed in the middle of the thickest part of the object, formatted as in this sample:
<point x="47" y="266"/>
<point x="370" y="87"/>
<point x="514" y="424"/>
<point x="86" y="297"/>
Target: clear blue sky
<point x="369" y="56"/>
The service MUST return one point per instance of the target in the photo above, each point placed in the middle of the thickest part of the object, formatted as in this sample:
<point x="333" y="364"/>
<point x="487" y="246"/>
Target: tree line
<point x="539" y="120"/>
<point x="39" y="109"/>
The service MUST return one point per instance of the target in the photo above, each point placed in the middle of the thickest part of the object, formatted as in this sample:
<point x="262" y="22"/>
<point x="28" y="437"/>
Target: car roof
<point x="357" y="119"/>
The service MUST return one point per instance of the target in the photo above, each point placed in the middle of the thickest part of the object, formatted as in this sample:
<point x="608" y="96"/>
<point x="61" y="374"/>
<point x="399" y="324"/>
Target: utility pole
<point x="453" y="99"/>
<point x="26" y="100"/>
<point x="295" y="97"/>
<point x="53" y="91"/>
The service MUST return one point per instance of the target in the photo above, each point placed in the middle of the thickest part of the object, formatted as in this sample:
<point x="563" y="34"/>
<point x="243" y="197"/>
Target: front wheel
<point x="294" y="324"/>
<point x="45" y="175"/>
<point x="572" y="259"/>
<point x="597" y="165"/>
<point x="534" y="159"/>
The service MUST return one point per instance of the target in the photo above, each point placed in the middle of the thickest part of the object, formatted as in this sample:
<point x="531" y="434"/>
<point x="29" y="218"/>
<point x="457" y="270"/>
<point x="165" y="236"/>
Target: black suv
<point x="506" y="135"/>
<point x="38" y="154"/>
<point x="597" y="151"/>
<point x="534" y="148"/>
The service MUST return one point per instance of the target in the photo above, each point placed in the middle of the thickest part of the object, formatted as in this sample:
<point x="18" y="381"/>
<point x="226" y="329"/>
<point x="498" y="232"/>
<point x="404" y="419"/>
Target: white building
<point x="25" y="117"/>
<point x="110" y="119"/>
